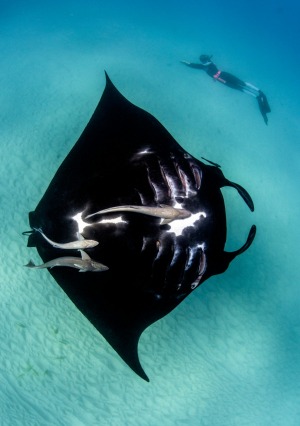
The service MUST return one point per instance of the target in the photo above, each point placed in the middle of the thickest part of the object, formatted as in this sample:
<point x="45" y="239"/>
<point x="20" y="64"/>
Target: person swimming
<point x="231" y="81"/>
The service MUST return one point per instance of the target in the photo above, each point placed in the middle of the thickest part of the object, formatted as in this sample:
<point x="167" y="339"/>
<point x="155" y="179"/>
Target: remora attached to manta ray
<point x="79" y="244"/>
<point x="166" y="213"/>
<point x="84" y="264"/>
<point x="125" y="159"/>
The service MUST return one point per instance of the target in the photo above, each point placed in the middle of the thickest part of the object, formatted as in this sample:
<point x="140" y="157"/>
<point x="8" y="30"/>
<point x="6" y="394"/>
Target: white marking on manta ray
<point x="202" y="268"/>
<point x="197" y="173"/>
<point x="116" y="220"/>
<point x="139" y="154"/>
<point x="186" y="184"/>
<point x="156" y="189"/>
<point x="145" y="152"/>
<point x="178" y="226"/>
<point x="177" y="205"/>
<point x="82" y="224"/>
<point x="174" y="191"/>
<point x="192" y="253"/>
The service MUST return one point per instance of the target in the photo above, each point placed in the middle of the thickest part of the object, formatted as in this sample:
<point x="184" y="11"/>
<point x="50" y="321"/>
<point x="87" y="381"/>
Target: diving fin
<point x="263" y="105"/>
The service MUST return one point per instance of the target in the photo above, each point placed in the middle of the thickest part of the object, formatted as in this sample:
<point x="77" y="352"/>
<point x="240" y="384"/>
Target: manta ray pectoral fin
<point x="124" y="338"/>
<point x="130" y="356"/>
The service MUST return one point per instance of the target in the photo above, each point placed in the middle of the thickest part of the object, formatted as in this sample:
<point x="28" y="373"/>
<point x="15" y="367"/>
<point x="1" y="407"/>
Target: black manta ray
<point x="148" y="218"/>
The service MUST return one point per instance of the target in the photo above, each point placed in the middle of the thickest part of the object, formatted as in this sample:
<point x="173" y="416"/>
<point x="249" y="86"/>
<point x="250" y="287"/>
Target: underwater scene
<point x="150" y="170"/>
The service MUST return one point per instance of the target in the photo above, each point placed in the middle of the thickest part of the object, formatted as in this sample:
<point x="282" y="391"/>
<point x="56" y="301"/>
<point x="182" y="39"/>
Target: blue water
<point x="230" y="353"/>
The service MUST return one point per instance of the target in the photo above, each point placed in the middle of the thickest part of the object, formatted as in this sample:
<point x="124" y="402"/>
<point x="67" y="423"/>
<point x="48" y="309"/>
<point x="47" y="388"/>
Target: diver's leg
<point x="251" y="89"/>
<point x="231" y="81"/>
<point x="235" y="83"/>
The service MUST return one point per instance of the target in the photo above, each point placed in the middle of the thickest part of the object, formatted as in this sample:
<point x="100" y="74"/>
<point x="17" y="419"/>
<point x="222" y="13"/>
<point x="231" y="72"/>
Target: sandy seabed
<point x="229" y="354"/>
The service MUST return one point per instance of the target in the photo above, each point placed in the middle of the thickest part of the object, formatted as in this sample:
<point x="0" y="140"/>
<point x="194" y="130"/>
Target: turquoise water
<point x="230" y="353"/>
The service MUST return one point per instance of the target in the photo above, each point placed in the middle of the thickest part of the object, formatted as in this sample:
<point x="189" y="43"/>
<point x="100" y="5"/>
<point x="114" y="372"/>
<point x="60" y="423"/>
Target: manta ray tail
<point x="28" y="232"/>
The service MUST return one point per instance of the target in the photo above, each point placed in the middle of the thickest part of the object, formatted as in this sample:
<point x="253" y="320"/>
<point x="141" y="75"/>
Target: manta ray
<point x="155" y="216"/>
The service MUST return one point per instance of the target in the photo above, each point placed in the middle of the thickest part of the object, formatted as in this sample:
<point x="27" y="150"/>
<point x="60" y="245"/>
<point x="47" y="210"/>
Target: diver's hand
<point x="185" y="62"/>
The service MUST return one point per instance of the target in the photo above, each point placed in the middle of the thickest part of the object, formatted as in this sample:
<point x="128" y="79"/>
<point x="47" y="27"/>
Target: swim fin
<point x="263" y="105"/>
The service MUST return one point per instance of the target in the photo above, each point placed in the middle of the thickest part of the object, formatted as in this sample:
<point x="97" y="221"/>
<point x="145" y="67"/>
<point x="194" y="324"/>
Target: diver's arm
<point x="190" y="64"/>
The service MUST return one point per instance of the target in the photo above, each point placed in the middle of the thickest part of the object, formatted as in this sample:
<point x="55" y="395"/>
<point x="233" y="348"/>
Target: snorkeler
<point x="233" y="82"/>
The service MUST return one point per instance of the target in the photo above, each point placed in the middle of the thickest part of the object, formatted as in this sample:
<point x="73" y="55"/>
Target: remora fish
<point x="84" y="264"/>
<point x="164" y="212"/>
<point x="80" y="244"/>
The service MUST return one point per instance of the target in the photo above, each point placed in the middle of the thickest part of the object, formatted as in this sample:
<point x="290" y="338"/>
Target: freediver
<point x="232" y="81"/>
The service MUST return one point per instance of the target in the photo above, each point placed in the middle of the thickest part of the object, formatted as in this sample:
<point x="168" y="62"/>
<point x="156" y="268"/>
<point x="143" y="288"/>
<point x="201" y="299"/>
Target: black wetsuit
<point x="235" y="83"/>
